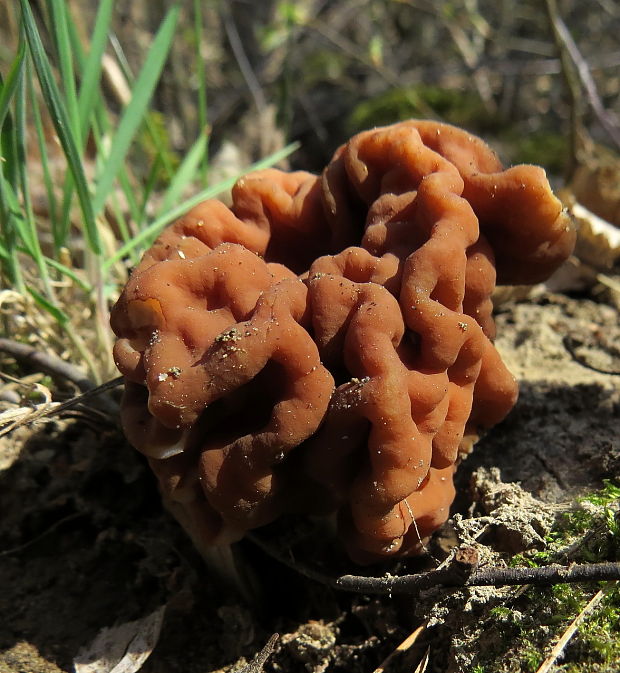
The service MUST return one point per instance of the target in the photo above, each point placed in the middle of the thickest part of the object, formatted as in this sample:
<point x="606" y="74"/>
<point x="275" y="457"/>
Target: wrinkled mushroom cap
<point x="325" y="344"/>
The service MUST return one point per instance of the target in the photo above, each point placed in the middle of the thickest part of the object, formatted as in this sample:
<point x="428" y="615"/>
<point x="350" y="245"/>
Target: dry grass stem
<point x="403" y="647"/>
<point x="570" y="632"/>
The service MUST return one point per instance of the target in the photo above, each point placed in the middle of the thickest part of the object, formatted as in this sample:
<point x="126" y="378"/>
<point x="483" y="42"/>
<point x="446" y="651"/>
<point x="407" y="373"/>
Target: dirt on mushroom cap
<point x="380" y="271"/>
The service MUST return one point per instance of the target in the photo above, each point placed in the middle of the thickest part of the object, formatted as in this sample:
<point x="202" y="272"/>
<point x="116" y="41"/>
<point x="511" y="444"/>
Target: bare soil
<point x="86" y="544"/>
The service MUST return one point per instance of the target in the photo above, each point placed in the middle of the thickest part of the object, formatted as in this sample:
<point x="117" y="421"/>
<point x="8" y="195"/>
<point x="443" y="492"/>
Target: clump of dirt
<point x="83" y="533"/>
<point x="509" y="518"/>
<point x="511" y="629"/>
<point x="312" y="644"/>
<point x="503" y="520"/>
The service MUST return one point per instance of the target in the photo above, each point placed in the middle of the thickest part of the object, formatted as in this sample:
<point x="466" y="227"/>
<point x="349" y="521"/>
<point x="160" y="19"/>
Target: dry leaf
<point x="596" y="182"/>
<point x="599" y="241"/>
<point x="123" y="648"/>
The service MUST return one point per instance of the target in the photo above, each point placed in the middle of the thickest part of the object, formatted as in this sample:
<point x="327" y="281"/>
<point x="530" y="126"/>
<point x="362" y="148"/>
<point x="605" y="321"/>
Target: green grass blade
<point x="146" y="235"/>
<point x="162" y="148"/>
<point x="100" y="126"/>
<point x="126" y="183"/>
<point x="134" y="113"/>
<point x="149" y="186"/>
<point x="185" y="172"/>
<point x="130" y="194"/>
<point x="29" y="232"/>
<point x="62" y="29"/>
<point x="13" y="207"/>
<point x="8" y="144"/>
<point x="91" y="67"/>
<point x="9" y="213"/>
<point x="9" y="85"/>
<point x="66" y="271"/>
<point x="62" y="225"/>
<point x="61" y="123"/>
<point x="16" y="214"/>
<point x="8" y="149"/>
<point x="92" y="115"/>
<point x="44" y="157"/>
<point x="57" y="313"/>
<point x="60" y="32"/>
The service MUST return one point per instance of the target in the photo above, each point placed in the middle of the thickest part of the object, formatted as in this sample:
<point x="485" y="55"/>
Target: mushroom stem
<point x="228" y="565"/>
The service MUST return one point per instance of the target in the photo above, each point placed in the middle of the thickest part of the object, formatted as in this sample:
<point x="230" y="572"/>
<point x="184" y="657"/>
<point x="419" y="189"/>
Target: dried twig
<point x="460" y="571"/>
<point x="569" y="50"/>
<point x="572" y="83"/>
<point x="455" y="572"/>
<point x="18" y="417"/>
<point x="49" y="364"/>
<point x="15" y="418"/>
<point x="452" y="577"/>
<point x="256" y="666"/>
<point x="570" y="631"/>
<point x="243" y="62"/>
<point x="93" y="392"/>
<point x="583" y="70"/>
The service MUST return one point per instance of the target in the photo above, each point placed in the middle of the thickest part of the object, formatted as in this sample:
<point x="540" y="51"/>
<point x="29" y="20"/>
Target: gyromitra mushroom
<point x="325" y="344"/>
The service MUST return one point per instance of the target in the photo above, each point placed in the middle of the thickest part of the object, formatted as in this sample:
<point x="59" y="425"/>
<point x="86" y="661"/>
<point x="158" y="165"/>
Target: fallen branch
<point x="57" y="368"/>
<point x="451" y="576"/>
<point x="455" y="573"/>
<point x="460" y="571"/>
<point x="49" y="364"/>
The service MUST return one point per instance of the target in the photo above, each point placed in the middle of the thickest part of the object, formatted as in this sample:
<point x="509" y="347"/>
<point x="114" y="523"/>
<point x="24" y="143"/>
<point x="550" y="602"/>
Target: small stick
<point x="456" y="572"/>
<point x="563" y="35"/>
<point x="570" y="632"/>
<point x="93" y="392"/>
<point x="54" y="408"/>
<point x="50" y="364"/>
<point x="574" y="89"/>
<point x="497" y="577"/>
<point x="234" y="39"/>
<point x="460" y="571"/>
<point x="256" y="666"/>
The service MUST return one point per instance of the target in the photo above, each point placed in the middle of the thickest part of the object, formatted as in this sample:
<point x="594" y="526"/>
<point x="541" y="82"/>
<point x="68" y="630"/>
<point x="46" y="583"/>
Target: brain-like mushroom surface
<point x="325" y="344"/>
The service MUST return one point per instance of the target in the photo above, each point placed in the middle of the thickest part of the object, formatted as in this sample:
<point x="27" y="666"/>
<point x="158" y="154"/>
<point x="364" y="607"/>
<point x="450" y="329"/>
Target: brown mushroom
<point x="325" y="344"/>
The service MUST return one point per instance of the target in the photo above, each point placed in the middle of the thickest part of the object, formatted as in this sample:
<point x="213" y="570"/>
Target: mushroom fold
<point x="326" y="343"/>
